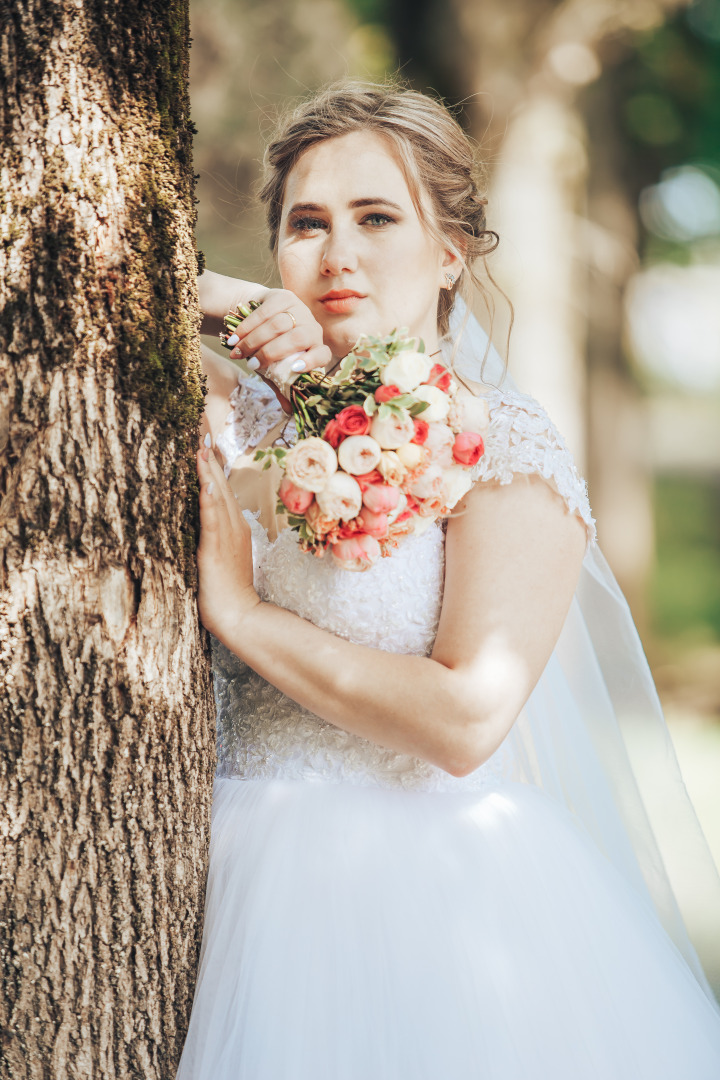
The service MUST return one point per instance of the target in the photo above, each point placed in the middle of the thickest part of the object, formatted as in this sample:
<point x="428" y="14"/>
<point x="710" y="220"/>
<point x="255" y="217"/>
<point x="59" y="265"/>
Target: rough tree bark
<point x="106" y="715"/>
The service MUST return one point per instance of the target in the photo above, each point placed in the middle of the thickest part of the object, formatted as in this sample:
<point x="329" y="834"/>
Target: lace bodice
<point x="394" y="606"/>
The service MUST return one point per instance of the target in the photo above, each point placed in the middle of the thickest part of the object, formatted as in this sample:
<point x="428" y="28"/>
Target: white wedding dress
<point x="370" y="917"/>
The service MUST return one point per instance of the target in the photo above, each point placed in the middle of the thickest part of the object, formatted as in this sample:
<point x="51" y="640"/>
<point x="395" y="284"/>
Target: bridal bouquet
<point x="385" y="447"/>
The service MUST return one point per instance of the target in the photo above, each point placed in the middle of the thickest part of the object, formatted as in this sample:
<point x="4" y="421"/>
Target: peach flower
<point x="359" y="552"/>
<point x="293" y="498"/>
<point x="439" y="442"/>
<point x="438" y="403"/>
<point x="381" y="498"/>
<point x="310" y="464"/>
<point x="373" y="524"/>
<point x="393" y="431"/>
<point x="358" y="454"/>
<point x="406" y="370"/>
<point x="340" y="498"/>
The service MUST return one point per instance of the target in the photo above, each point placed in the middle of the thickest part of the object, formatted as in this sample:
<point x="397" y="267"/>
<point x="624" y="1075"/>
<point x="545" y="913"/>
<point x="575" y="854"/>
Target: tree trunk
<point x="106" y="736"/>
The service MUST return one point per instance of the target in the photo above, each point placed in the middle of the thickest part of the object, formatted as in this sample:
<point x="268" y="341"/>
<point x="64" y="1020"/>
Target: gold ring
<point x="294" y="324"/>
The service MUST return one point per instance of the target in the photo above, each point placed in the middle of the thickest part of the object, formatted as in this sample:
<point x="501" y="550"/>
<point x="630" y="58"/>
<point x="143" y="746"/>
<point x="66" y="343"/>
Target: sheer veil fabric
<point x="588" y="750"/>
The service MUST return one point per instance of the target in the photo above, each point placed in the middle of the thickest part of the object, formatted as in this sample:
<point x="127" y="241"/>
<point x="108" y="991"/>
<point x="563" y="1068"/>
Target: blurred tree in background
<point x="599" y="122"/>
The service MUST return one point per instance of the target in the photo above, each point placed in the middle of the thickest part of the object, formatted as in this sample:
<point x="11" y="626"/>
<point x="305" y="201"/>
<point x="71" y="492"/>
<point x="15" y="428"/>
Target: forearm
<point x="220" y="294"/>
<point x="410" y="704"/>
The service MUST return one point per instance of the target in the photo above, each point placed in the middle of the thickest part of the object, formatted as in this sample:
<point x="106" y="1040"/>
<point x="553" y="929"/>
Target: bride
<point x="430" y="854"/>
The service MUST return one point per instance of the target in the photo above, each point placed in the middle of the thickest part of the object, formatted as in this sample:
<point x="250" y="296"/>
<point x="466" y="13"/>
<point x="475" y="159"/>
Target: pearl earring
<point x="450" y="279"/>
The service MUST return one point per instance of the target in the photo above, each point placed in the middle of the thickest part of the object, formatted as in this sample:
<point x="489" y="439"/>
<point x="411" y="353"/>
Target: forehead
<point x="358" y="165"/>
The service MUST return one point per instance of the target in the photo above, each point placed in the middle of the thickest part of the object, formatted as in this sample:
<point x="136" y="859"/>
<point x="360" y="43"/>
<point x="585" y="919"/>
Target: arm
<point x="220" y="294"/>
<point x="513" y="559"/>
<point x="267" y="334"/>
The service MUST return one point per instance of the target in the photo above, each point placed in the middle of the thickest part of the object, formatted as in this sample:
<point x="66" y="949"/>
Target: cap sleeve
<point x="522" y="439"/>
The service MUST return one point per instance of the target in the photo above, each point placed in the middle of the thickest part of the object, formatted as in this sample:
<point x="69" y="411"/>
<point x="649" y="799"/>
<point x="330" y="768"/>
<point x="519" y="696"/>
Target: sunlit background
<point x="599" y="121"/>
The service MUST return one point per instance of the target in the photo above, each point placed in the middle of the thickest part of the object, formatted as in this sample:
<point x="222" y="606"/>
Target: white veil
<point x="592" y="733"/>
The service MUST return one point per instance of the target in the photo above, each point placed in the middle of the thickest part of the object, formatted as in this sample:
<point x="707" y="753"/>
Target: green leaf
<point x="421" y="406"/>
<point x="369" y="405"/>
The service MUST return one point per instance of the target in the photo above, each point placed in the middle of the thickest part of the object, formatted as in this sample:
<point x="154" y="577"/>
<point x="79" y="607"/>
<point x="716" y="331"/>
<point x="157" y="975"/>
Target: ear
<point x="451" y="269"/>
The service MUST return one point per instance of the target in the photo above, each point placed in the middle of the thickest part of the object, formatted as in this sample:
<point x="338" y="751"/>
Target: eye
<point x="376" y="221"/>
<point x="307" y="224"/>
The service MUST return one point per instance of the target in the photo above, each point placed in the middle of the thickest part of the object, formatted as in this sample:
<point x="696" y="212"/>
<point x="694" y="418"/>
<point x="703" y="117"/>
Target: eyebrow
<point x="355" y="204"/>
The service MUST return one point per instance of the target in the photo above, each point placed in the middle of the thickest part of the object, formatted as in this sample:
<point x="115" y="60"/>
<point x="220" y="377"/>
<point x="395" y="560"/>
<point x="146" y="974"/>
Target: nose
<point x="339" y="254"/>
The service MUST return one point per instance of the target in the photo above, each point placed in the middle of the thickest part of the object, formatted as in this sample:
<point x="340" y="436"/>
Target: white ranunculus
<point x="358" y="454"/>
<point x="391" y="467"/>
<point x="456" y="482"/>
<point x="468" y="412"/>
<point x="439" y="442"/>
<point x="310" y="463"/>
<point x="406" y="370"/>
<point x="393" y="431"/>
<point x="411" y="455"/>
<point x="340" y="498"/>
<point x="438" y="403"/>
<point x="429" y="484"/>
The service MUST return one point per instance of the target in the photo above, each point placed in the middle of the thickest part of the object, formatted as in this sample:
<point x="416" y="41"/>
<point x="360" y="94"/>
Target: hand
<point x="226" y="596"/>
<point x="269" y="334"/>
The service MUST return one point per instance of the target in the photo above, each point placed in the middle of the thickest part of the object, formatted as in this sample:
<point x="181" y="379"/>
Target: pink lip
<point x="341" y="301"/>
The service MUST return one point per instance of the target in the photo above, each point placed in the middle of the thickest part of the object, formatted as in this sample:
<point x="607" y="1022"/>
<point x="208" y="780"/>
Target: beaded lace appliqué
<point x="255" y="412"/>
<point x="394" y="606"/>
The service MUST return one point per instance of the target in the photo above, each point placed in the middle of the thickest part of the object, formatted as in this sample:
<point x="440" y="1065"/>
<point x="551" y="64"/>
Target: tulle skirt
<point x="358" y="933"/>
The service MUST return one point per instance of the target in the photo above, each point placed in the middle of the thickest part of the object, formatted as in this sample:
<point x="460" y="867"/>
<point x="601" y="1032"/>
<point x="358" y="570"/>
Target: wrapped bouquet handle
<point x="280" y="373"/>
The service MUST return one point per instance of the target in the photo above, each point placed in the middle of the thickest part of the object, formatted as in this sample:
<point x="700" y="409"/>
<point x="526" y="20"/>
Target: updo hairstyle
<point x="434" y="153"/>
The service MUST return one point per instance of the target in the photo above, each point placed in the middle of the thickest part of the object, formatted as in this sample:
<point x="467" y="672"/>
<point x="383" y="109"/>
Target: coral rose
<point x="381" y="498"/>
<point x="341" y="497"/>
<point x="294" y="499"/>
<point x="406" y="370"/>
<point x="310" y="463"/>
<point x="333" y="434"/>
<point x="421" y="431"/>
<point x="393" y="431"/>
<point x="387" y="393"/>
<point x="438" y="403"/>
<point x="353" y="420"/>
<point x="391" y="467"/>
<point x="359" y="552"/>
<point x="373" y="524"/>
<point x="440" y="377"/>
<point x="358" y="454"/>
<point x="468" y="448"/>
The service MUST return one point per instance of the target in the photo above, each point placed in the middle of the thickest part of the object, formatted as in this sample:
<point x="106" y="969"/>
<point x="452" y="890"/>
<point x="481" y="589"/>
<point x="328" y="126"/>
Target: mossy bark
<point x="106" y="714"/>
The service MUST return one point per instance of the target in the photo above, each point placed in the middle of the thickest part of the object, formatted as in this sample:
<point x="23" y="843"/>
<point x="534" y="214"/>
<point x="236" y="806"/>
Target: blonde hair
<point x="436" y="156"/>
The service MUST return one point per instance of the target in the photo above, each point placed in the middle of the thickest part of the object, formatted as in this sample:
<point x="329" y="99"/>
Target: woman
<point x="429" y="857"/>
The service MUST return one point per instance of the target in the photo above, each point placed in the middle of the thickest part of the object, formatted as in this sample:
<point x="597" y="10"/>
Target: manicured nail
<point x="299" y="365"/>
<point x="207" y="440"/>
<point x="232" y="341"/>
<point x="210" y="488"/>
<point x="253" y="363"/>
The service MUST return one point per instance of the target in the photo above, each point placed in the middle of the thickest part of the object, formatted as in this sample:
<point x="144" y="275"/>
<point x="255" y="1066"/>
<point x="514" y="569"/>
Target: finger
<point x="214" y="474"/>
<point x="213" y="511"/>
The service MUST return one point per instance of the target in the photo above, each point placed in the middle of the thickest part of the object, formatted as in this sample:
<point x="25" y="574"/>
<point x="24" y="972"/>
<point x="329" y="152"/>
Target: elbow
<point x="464" y="756"/>
<point x="474" y="746"/>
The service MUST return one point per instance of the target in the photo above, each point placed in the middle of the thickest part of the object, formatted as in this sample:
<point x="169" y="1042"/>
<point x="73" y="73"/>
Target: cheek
<point x="293" y="269"/>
